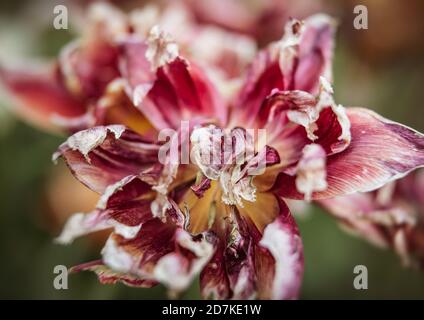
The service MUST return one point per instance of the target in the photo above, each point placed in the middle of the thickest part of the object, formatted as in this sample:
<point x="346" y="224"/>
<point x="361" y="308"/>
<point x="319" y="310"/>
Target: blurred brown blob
<point x="64" y="196"/>
<point x="395" y="29"/>
<point x="264" y="20"/>
<point x="123" y="4"/>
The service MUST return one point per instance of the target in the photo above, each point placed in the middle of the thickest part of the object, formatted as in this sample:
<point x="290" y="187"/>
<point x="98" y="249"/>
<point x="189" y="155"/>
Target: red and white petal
<point x="271" y="70"/>
<point x="296" y="62"/>
<point x="41" y="97"/>
<point x="380" y="151"/>
<point x="311" y="171"/>
<point x="214" y="283"/>
<point x="200" y="188"/>
<point x="102" y="156"/>
<point x="331" y="128"/>
<point x="177" y="270"/>
<point x="227" y="54"/>
<point x="88" y="68"/>
<point x="354" y="211"/>
<point x="250" y="264"/>
<point x="263" y="76"/>
<point x="315" y="53"/>
<point x="166" y="87"/>
<point x="324" y="122"/>
<point x="89" y="64"/>
<point x="239" y="260"/>
<point x="116" y="107"/>
<point x="108" y="276"/>
<point x="279" y="259"/>
<point x="230" y="274"/>
<point x="391" y="216"/>
<point x="120" y="208"/>
<point x="294" y="119"/>
<point x="160" y="252"/>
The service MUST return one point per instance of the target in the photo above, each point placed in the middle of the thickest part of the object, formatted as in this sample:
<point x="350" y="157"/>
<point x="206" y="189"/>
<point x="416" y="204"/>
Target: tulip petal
<point x="159" y="252"/>
<point x="116" y="107"/>
<point x="296" y="62"/>
<point x="279" y="267"/>
<point x="294" y="119"/>
<point x="170" y="91"/>
<point x="142" y="250"/>
<point x="108" y="276"/>
<point x="102" y="156"/>
<point x="315" y="53"/>
<point x="41" y="97"/>
<point x="120" y="207"/>
<point x="230" y="273"/>
<point x="88" y="68"/>
<point x="380" y="151"/>
<point x="249" y="263"/>
<point x="90" y="63"/>
<point x="391" y="216"/>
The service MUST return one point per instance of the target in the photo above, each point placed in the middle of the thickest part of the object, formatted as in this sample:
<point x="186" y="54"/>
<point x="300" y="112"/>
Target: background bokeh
<point x="380" y="68"/>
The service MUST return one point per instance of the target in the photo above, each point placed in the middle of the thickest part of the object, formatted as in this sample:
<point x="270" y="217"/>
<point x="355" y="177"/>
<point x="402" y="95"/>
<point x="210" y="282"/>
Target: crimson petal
<point x="41" y="96"/>
<point x="102" y="156"/>
<point x="169" y="92"/>
<point x="249" y="264"/>
<point x="380" y="151"/>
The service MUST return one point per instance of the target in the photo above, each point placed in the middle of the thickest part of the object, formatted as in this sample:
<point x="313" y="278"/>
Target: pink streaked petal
<point x="315" y="53"/>
<point x="214" y="283"/>
<point x="91" y="62"/>
<point x="108" y="276"/>
<point x="286" y="136"/>
<point x="296" y="62"/>
<point x="172" y="91"/>
<point x="352" y="212"/>
<point x="102" y="156"/>
<point x="263" y="76"/>
<point x="142" y="250"/>
<point x="294" y="119"/>
<point x="160" y="252"/>
<point x="333" y="129"/>
<point x="226" y="53"/>
<point x="391" y="216"/>
<point x="191" y="89"/>
<point x="89" y="67"/>
<point x="325" y="123"/>
<point x="239" y="260"/>
<point x="279" y="262"/>
<point x="136" y="68"/>
<point x="396" y="225"/>
<point x="311" y="171"/>
<point x="230" y="274"/>
<point x="119" y="208"/>
<point x="200" y="188"/>
<point x="41" y="96"/>
<point x="266" y="157"/>
<point x="272" y="69"/>
<point x="380" y="151"/>
<point x="248" y="264"/>
<point x="176" y="270"/>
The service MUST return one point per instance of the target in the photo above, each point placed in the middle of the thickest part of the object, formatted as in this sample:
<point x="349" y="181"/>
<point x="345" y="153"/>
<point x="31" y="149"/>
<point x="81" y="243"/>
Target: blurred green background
<point x="380" y="68"/>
